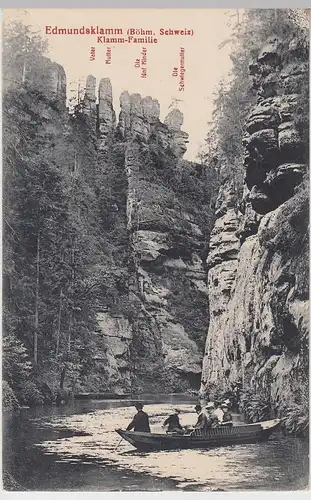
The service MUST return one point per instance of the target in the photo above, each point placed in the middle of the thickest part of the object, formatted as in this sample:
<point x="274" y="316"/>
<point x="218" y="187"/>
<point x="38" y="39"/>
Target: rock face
<point x="57" y="83"/>
<point x="169" y="287"/>
<point x="168" y="284"/>
<point x="179" y="139"/>
<point x="274" y="149"/>
<point x="113" y="360"/>
<point x="106" y="114"/>
<point x="258" y="261"/>
<point x="137" y="116"/>
<point x="222" y="263"/>
<point x="89" y="101"/>
<point x="48" y="78"/>
<point x="98" y="108"/>
<point x="158" y="343"/>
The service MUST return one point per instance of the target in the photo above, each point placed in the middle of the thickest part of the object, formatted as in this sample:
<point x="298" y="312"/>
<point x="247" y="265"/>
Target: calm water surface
<point x="74" y="448"/>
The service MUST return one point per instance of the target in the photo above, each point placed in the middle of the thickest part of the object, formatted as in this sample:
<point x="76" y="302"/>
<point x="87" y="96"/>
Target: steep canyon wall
<point x="138" y="217"/>
<point x="152" y="336"/>
<point x="258" y="260"/>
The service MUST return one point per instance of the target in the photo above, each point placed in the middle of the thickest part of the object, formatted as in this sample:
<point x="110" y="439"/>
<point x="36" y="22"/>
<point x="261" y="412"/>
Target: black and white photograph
<point x="155" y="250"/>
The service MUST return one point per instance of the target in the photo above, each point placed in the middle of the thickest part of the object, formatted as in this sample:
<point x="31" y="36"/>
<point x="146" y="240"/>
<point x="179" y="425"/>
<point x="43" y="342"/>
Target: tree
<point x="234" y="99"/>
<point x="50" y="217"/>
<point x="22" y="49"/>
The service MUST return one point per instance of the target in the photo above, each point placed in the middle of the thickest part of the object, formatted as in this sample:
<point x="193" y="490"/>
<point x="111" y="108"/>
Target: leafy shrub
<point x="9" y="400"/>
<point x="29" y="394"/>
<point x="17" y="373"/>
<point x="296" y="419"/>
<point x="15" y="363"/>
<point x="255" y="405"/>
<point x="295" y="414"/>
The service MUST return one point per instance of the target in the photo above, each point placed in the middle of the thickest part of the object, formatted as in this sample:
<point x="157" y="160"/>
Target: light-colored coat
<point x="219" y="414"/>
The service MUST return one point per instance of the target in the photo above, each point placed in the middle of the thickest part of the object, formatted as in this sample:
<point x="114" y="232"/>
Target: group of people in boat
<point x="212" y="415"/>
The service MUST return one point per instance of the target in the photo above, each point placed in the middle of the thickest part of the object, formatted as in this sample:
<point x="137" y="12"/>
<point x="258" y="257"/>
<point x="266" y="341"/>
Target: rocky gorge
<point x="137" y="271"/>
<point x="146" y="214"/>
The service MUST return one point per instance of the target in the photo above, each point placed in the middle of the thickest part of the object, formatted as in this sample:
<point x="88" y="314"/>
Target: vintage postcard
<point x="155" y="250"/>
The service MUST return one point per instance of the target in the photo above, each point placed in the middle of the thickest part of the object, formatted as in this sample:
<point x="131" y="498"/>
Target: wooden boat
<point x="219" y="436"/>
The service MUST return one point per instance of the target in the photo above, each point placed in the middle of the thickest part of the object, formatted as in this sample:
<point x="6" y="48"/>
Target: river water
<point x="74" y="447"/>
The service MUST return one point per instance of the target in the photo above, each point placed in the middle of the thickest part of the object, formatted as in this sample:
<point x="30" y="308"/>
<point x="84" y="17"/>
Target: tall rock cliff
<point x="127" y="308"/>
<point x="152" y="336"/>
<point x="258" y="261"/>
<point x="166" y="249"/>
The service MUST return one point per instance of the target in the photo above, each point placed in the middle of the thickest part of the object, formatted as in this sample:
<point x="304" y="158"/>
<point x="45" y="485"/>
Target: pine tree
<point x="49" y="240"/>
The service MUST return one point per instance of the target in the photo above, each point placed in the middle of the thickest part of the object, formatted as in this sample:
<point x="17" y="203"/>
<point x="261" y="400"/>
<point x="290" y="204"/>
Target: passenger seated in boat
<point x="202" y="422"/>
<point x="227" y="417"/>
<point x="140" y="422"/>
<point x="218" y="412"/>
<point x="212" y="419"/>
<point x="173" y="424"/>
<point x="228" y="403"/>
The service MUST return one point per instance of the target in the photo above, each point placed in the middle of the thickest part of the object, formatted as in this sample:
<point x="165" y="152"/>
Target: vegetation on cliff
<point x="234" y="99"/>
<point x="103" y="220"/>
<point x="59" y="256"/>
<point x="259" y="139"/>
<point x="67" y="251"/>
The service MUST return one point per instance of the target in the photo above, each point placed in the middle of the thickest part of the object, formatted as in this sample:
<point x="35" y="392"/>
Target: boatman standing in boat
<point x="173" y="422"/>
<point x="140" y="422"/>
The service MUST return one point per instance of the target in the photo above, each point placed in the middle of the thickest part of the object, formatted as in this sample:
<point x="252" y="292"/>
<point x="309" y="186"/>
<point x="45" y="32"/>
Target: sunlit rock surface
<point x="112" y="360"/>
<point x="167" y="307"/>
<point x="258" y="260"/>
<point x="106" y="113"/>
<point x="170" y="278"/>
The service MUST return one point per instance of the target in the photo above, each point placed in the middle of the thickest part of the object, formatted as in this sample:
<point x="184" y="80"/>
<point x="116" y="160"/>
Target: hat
<point x="198" y="407"/>
<point x="223" y="405"/>
<point x="227" y="401"/>
<point x="210" y="405"/>
<point x="139" y="406"/>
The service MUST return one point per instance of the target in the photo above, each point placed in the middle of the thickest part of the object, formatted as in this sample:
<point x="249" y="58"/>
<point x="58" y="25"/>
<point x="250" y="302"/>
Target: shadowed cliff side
<point x="104" y="244"/>
<point x="258" y="262"/>
<point x="157" y="342"/>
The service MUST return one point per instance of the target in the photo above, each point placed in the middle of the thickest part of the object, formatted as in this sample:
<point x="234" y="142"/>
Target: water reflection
<point x="84" y="436"/>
